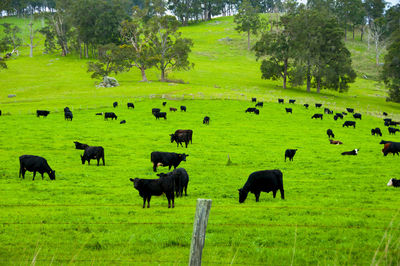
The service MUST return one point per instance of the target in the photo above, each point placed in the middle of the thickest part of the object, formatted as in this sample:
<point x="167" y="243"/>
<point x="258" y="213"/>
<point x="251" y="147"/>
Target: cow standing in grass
<point x="93" y="152"/>
<point x="35" y="164"/>
<point x="266" y="181"/>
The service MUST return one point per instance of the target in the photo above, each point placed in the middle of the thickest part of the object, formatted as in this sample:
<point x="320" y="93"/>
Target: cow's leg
<point x="185" y="190"/>
<point x="169" y="167"/>
<point x="148" y="201"/>
<point x="186" y="143"/>
<point x="282" y="193"/>
<point x="42" y="175"/>
<point x="34" y="174"/>
<point x="169" y="199"/>
<point x="103" y="160"/>
<point x="173" y="201"/>
<point x="88" y="161"/>
<point x="274" y="193"/>
<point x="257" y="194"/>
<point x="144" y="202"/>
<point x="154" y="166"/>
<point x="23" y="173"/>
<point x="98" y="161"/>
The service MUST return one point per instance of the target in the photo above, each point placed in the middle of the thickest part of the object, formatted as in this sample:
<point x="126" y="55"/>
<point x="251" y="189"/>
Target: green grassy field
<point x="338" y="209"/>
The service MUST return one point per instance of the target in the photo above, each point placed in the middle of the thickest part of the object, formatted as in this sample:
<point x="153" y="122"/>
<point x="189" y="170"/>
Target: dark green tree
<point x="247" y="20"/>
<point x="11" y="36"/>
<point x="171" y="50"/>
<point x="110" y="61"/>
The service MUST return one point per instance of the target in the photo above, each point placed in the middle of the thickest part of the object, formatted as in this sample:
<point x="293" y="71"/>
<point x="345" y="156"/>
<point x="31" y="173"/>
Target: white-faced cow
<point x="353" y="152"/>
<point x="394" y="182"/>
<point x="266" y="181"/>
<point x="35" y="164"/>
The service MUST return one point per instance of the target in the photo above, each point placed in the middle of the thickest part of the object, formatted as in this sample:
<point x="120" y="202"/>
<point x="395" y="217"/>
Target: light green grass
<point x="338" y="208"/>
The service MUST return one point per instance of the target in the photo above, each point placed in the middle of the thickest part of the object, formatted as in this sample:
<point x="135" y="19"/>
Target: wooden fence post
<point x="199" y="231"/>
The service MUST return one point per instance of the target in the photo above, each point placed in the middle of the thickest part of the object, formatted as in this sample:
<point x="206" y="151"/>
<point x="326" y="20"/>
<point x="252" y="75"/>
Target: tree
<point x="138" y="48"/>
<point x="171" y="50"/>
<point x="247" y="20"/>
<point x="11" y="36"/>
<point x="185" y="10"/>
<point x="110" y="60"/>
<point x="377" y="31"/>
<point x="276" y="48"/>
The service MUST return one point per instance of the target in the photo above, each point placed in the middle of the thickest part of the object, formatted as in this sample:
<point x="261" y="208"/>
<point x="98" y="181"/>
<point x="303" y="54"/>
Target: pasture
<point x="337" y="209"/>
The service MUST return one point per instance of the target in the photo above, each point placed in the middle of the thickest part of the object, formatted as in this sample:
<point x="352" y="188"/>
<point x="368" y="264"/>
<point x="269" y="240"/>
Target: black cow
<point x="392" y="130"/>
<point x="260" y="104"/>
<point x="167" y="159"/>
<point x="349" y="124"/>
<point x="181" y="178"/>
<point x="206" y="120"/>
<point x="99" y="113"/>
<point x="335" y="118"/>
<point x="376" y="131"/>
<point x="66" y="109"/>
<point x="289" y="153"/>
<point x="266" y="181"/>
<point x="281" y="100"/>
<point x="257" y="112"/>
<point x="111" y="115"/>
<point x="357" y="116"/>
<point x="40" y="113"/>
<point x="391" y="147"/>
<point x="183" y="108"/>
<point x="317" y="116"/>
<point x="292" y="101"/>
<point x="350" y="110"/>
<point x="353" y="152"/>
<point x="306" y="105"/>
<point x="385" y="142"/>
<point x="318" y="105"/>
<point x="288" y="110"/>
<point x="160" y="114"/>
<point x="182" y="135"/>
<point x="0" y="112"/>
<point x="155" y="187"/>
<point x="344" y="113"/>
<point x="123" y="122"/>
<point x="155" y="110"/>
<point x="115" y="104"/>
<point x="35" y="164"/>
<point x="93" y="152"/>
<point x="80" y="146"/>
<point x="328" y="111"/>
<point x="339" y="115"/>
<point x="393" y="182"/>
<point x="130" y="105"/>
<point x="68" y="116"/>
<point x="253" y="100"/>
<point x="172" y="109"/>
<point x="164" y="103"/>
<point x="330" y="134"/>
<point x="385" y="114"/>
<point x="250" y="110"/>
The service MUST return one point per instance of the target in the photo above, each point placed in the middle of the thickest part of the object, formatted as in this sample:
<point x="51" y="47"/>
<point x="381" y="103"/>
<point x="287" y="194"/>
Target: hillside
<point x="223" y="69"/>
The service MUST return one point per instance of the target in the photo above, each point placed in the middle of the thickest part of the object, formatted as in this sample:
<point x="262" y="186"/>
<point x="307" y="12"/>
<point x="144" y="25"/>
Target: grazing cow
<point x="172" y="109"/>
<point x="68" y="115"/>
<point x="292" y="101"/>
<point x="257" y="112"/>
<point x="393" y="182"/>
<point x="318" y="105"/>
<point x="289" y="153"/>
<point x="335" y="142"/>
<point x="385" y="114"/>
<point x="253" y="100"/>
<point x="99" y="113"/>
<point x="130" y="105"/>
<point x="155" y="110"/>
<point x="115" y="104"/>
<point x="80" y="146"/>
<point x="180" y="137"/>
<point x="387" y="119"/>
<point x="250" y="110"/>
<point x="266" y="181"/>
<point x="335" y="118"/>
<point x="357" y="115"/>
<point x="394" y="123"/>
<point x="392" y="130"/>
<point x="123" y="122"/>
<point x="306" y="105"/>
<point x="155" y="187"/>
<point x="183" y="108"/>
<point x="390" y="147"/>
<point x="330" y="134"/>
<point x="339" y="115"/>
<point x="206" y="120"/>
<point x="288" y="110"/>
<point x="328" y="111"/>
<point x="167" y="159"/>
<point x="281" y="100"/>
<point x="189" y="132"/>
<point x="160" y="114"/>
<point x="317" y="116"/>
<point x="350" y="110"/>
<point x="260" y="104"/>
<point x="349" y="124"/>
<point x="164" y="103"/>
<point x="181" y="178"/>
<point x="93" y="152"/>
<point x="353" y="152"/>
<point x="376" y="131"/>
<point x="40" y="113"/>
<point x="111" y="115"/>
<point x="385" y="142"/>
<point x="344" y="113"/>
<point x="35" y="164"/>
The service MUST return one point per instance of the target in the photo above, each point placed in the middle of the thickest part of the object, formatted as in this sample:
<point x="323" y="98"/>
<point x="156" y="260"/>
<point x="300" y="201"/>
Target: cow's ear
<point x="131" y="180"/>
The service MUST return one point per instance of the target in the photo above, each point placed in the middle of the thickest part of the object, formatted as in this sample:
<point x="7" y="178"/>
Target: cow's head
<point x="83" y="159"/>
<point x="183" y="156"/>
<point x="136" y="182"/>
<point x="242" y="195"/>
<point x="172" y="137"/>
<point x="390" y="183"/>
<point x="52" y="175"/>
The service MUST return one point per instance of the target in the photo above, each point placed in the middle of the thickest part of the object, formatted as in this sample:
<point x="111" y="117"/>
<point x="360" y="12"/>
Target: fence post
<point x="199" y="231"/>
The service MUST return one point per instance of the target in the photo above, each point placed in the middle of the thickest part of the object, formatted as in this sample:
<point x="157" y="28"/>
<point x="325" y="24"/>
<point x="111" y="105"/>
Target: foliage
<point x="110" y="60"/>
<point x="11" y="36"/>
<point x="247" y="20"/>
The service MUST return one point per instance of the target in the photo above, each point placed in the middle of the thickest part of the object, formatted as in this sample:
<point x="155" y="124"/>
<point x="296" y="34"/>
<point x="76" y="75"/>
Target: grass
<point x="337" y="210"/>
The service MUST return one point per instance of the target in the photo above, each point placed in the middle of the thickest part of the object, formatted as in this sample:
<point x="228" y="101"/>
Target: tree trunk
<point x="308" y="77"/>
<point x="31" y="35"/>
<point x="318" y="85"/>
<point x="285" y="73"/>
<point x="362" y="32"/>
<point x="162" y="74"/>
<point x="248" y="40"/>
<point x="353" y="31"/>
<point x="345" y="30"/>
<point x="144" y="78"/>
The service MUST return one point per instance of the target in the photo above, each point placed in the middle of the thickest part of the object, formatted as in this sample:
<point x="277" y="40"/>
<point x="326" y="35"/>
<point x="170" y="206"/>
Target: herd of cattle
<point x="177" y="180"/>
